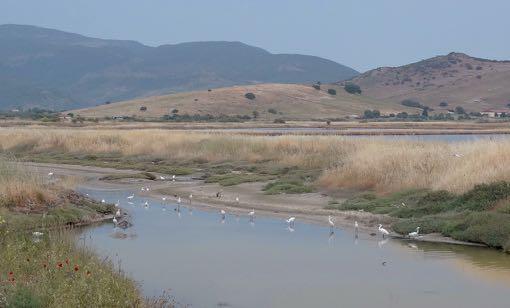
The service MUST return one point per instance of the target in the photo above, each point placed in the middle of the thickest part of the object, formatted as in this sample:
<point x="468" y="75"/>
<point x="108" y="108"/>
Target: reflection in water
<point x="205" y="263"/>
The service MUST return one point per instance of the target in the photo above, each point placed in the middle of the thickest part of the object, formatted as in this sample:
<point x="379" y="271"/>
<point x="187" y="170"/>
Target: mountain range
<point x="53" y="69"/>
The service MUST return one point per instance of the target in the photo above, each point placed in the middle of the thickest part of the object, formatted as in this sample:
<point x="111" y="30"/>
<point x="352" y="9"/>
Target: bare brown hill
<point x="290" y="101"/>
<point x="458" y="79"/>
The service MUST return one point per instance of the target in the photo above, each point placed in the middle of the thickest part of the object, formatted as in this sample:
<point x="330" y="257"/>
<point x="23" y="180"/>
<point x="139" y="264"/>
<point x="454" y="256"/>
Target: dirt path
<point x="307" y="207"/>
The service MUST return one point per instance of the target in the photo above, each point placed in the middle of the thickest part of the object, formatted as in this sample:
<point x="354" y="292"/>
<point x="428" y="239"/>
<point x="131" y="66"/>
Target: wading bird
<point x="252" y="214"/>
<point x="290" y="221"/>
<point x="383" y="231"/>
<point x="118" y="214"/>
<point x="117" y="204"/>
<point x="103" y="201"/>
<point x="331" y="222"/>
<point x="50" y="174"/>
<point x="190" y="197"/>
<point x="222" y="212"/>
<point x="415" y="233"/>
<point x="173" y="178"/>
<point x="114" y="221"/>
<point x="162" y="178"/>
<point x="163" y="198"/>
<point x="130" y="197"/>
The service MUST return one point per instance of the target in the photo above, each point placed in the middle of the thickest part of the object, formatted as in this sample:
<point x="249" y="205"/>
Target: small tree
<point x="332" y="91"/>
<point x="328" y="122"/>
<point x="143" y="108"/>
<point x="174" y="111"/>
<point x="352" y="88"/>
<point x="459" y="110"/>
<point x="272" y="110"/>
<point x="316" y="86"/>
<point x="279" y="121"/>
<point x="250" y="96"/>
<point x="425" y="113"/>
<point x="255" y="114"/>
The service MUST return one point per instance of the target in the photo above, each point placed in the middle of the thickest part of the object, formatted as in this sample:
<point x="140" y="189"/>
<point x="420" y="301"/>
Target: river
<point x="206" y="262"/>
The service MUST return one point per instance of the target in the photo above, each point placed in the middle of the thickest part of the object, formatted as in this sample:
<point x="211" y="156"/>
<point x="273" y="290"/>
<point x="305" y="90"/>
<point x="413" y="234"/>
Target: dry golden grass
<point x="347" y="162"/>
<point x="18" y="188"/>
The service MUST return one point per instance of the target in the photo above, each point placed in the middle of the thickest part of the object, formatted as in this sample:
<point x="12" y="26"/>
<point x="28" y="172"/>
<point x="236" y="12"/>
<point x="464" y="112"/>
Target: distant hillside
<point x="291" y="101"/>
<point x="458" y="79"/>
<point x="54" y="69"/>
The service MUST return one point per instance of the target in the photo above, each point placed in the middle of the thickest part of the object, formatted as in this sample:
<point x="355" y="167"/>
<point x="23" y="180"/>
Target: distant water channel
<point x="207" y="262"/>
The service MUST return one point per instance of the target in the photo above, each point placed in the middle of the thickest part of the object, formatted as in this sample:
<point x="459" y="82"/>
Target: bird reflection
<point x="382" y="243"/>
<point x="331" y="236"/>
<point x="291" y="229"/>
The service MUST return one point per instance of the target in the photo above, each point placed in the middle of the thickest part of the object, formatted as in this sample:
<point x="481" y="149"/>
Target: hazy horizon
<point x="360" y="35"/>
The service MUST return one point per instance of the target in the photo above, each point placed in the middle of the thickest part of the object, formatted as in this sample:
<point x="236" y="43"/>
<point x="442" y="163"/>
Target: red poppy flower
<point x="60" y="264"/>
<point x="76" y="268"/>
<point x="11" y="273"/>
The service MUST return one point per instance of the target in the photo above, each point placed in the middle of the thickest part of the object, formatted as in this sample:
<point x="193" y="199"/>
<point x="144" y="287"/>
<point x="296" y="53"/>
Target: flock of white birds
<point x="290" y="221"/>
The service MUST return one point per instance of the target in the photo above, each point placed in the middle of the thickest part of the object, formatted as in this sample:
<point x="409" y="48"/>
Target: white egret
<point x="103" y="201"/>
<point x="383" y="231"/>
<point x="222" y="212"/>
<point x="252" y="214"/>
<point x="163" y="198"/>
<point x="162" y="178"/>
<point x="415" y="233"/>
<point x="331" y="222"/>
<point x="117" y="204"/>
<point x="114" y="221"/>
<point x="190" y="197"/>
<point x="131" y="197"/>
<point x="118" y="214"/>
<point x="173" y="178"/>
<point x="179" y="200"/>
<point x="146" y="204"/>
<point x="356" y="226"/>
<point x="50" y="174"/>
<point x="143" y="188"/>
<point x="290" y="221"/>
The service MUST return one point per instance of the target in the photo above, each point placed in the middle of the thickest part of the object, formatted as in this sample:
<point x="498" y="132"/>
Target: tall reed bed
<point x="365" y="163"/>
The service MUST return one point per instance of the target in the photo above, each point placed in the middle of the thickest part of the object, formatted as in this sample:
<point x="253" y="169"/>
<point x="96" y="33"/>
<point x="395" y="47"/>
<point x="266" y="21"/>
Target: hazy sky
<point x="363" y="34"/>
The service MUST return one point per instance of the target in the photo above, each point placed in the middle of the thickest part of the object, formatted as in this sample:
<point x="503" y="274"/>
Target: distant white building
<point x="492" y="113"/>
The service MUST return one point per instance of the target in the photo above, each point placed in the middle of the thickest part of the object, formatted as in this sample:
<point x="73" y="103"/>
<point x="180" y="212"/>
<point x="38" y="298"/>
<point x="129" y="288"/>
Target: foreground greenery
<point x="53" y="272"/>
<point x="481" y="215"/>
<point x="40" y="263"/>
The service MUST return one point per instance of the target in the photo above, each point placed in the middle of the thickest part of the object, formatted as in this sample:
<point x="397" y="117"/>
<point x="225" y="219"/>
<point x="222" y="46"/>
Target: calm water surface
<point x="208" y="263"/>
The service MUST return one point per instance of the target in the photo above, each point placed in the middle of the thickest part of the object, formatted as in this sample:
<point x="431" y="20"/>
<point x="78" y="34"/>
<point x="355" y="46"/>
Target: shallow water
<point x="375" y="131"/>
<point x="207" y="263"/>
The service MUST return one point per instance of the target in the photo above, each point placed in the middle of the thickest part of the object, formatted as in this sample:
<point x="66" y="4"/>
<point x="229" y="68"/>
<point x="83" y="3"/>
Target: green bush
<point x="250" y="96"/>
<point x="332" y="91"/>
<point x="352" y="88"/>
